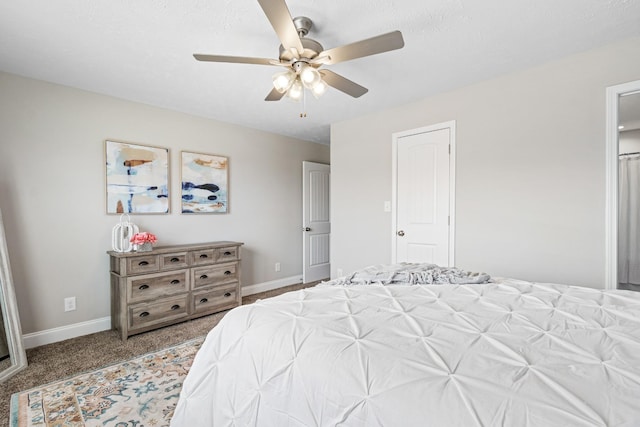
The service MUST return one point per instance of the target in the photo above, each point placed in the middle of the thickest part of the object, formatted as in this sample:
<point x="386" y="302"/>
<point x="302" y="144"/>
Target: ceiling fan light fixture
<point x="309" y="76"/>
<point x="295" y="91"/>
<point x="319" y="88"/>
<point x="283" y="81"/>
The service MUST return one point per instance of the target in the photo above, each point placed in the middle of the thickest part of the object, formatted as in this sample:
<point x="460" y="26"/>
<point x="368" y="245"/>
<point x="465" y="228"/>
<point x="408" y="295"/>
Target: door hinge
<point x="449" y="149"/>
<point x="449" y="220"/>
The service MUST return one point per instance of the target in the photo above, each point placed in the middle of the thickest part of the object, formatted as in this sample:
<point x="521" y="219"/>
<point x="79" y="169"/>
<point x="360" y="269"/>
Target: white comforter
<point x="516" y="354"/>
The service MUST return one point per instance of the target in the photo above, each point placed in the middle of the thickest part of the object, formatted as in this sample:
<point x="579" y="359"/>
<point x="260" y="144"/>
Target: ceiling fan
<point x="302" y="57"/>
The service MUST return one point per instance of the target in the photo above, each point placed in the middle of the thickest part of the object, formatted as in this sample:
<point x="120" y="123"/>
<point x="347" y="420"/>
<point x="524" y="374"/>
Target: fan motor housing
<point x="311" y="47"/>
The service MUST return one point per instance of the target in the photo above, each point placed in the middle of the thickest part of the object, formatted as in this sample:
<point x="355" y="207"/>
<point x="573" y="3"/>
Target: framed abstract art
<point x="205" y="183"/>
<point x="137" y="178"/>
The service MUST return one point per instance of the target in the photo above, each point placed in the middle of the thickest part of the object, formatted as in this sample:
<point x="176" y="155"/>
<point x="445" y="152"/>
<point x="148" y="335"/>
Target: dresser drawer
<point x="215" y="274"/>
<point x="214" y="299"/>
<point x="174" y="261"/>
<point x="152" y="286"/>
<point x="227" y="254"/>
<point x="203" y="257"/>
<point x="143" y="264"/>
<point x="145" y="314"/>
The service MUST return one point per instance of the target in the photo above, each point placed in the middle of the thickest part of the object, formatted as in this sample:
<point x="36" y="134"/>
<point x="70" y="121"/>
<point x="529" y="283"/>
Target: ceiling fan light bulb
<point x="309" y="76"/>
<point x="283" y="81"/>
<point x="319" y="88"/>
<point x="295" y="91"/>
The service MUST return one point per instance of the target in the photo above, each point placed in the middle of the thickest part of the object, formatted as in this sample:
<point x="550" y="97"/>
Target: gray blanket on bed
<point x="410" y="274"/>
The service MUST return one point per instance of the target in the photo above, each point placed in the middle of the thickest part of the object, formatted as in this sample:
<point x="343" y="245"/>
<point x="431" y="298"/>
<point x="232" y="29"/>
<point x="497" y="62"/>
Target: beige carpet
<point x="67" y="358"/>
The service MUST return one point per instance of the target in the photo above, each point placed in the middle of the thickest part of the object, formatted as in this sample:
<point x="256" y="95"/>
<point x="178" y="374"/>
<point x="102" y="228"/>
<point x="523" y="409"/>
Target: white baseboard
<point x="62" y="333"/>
<point x="269" y="286"/>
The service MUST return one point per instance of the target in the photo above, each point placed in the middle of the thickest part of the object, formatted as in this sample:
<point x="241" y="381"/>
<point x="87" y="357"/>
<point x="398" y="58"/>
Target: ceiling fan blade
<point x="372" y="46"/>
<point x="274" y="95"/>
<point x="343" y="84"/>
<point x="234" y="59"/>
<point x="278" y="14"/>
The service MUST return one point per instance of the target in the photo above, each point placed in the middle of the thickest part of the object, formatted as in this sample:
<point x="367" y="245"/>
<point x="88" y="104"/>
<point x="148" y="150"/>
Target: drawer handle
<point x="143" y="263"/>
<point x="144" y="314"/>
<point x="203" y="300"/>
<point x="227" y="295"/>
<point x="175" y="307"/>
<point x="204" y="256"/>
<point x="204" y="276"/>
<point x="175" y="282"/>
<point x="227" y="273"/>
<point x="143" y="287"/>
<point x="227" y="253"/>
<point x="174" y="259"/>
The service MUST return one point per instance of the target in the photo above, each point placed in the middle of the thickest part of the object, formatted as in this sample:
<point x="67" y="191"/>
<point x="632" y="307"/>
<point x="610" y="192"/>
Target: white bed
<point x="497" y="354"/>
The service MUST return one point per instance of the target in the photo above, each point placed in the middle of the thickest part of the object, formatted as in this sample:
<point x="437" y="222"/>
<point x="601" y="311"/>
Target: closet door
<point x="423" y="197"/>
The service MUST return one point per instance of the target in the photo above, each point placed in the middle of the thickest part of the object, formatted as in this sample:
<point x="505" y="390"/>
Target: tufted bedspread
<point x="514" y="354"/>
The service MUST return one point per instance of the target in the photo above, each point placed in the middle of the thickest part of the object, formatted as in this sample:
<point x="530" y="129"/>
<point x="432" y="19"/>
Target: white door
<point x="423" y="208"/>
<point x="316" y="227"/>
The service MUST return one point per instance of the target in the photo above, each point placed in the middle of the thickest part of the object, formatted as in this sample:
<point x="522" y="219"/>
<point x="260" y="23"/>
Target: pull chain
<point x="303" y="114"/>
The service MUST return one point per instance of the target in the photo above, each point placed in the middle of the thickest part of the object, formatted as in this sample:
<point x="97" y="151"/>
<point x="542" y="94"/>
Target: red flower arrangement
<point x="144" y="237"/>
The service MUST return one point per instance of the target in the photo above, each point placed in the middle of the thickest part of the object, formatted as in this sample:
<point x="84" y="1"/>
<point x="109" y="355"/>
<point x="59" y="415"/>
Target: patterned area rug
<point x="139" y="392"/>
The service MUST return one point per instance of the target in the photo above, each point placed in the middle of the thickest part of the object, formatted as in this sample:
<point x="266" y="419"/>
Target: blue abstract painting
<point x="137" y="178"/>
<point x="204" y="183"/>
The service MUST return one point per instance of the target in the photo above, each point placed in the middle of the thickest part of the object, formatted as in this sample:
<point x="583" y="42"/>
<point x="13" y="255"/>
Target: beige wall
<point x="530" y="174"/>
<point x="52" y="198"/>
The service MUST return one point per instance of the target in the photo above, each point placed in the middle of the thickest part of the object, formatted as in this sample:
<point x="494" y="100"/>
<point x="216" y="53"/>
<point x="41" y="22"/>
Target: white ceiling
<point x="142" y="50"/>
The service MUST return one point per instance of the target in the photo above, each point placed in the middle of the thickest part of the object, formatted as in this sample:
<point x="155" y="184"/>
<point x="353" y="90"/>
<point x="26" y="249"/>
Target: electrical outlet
<point x="339" y="272"/>
<point x="387" y="206"/>
<point x="70" y="304"/>
<point x="277" y="266"/>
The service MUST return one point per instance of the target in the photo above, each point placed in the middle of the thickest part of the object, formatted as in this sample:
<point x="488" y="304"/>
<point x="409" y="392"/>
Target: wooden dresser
<point x="172" y="284"/>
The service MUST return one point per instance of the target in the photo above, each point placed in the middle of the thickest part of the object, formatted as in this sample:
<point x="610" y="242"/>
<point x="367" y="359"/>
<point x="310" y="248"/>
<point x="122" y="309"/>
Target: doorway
<point x="316" y="225"/>
<point x="423" y="195"/>
<point x="622" y="251"/>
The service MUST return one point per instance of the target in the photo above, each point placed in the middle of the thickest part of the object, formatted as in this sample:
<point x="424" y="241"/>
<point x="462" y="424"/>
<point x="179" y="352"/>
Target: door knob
<point x="307" y="229"/>
<point x="401" y="233"/>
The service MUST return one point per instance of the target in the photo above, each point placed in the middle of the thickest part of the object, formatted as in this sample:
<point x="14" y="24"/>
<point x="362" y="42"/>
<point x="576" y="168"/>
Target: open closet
<point x="629" y="192"/>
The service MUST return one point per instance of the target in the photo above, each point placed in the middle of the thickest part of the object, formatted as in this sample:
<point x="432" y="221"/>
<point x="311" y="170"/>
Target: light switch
<point x="387" y="206"/>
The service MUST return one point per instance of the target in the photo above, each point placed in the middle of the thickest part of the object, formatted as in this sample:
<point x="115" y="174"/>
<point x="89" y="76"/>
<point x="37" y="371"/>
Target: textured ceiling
<point x="142" y="50"/>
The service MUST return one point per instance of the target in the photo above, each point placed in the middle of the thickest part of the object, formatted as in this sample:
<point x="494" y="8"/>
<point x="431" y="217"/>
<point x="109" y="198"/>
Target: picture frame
<point x="137" y="178"/>
<point x="204" y="183"/>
